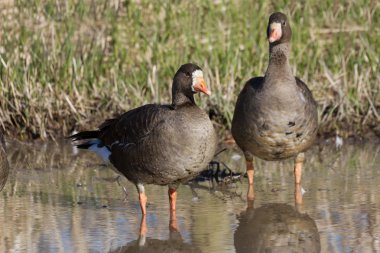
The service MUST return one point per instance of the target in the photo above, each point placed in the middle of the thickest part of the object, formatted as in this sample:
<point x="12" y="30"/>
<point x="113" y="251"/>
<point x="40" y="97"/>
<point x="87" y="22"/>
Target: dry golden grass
<point x="66" y="65"/>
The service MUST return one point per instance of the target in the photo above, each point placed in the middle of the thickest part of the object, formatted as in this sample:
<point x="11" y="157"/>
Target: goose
<point x="275" y="116"/>
<point x="159" y="144"/>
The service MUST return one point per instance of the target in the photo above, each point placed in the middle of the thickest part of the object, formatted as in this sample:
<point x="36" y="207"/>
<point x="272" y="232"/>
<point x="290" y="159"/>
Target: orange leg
<point x="297" y="173"/>
<point x="297" y="177"/>
<point x="250" y="171"/>
<point x="142" y="197"/>
<point x="172" y="200"/>
<point x="298" y="194"/>
<point x="298" y="167"/>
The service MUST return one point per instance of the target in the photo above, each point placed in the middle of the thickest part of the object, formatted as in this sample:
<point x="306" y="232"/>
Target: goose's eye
<point x="188" y="74"/>
<point x="283" y="23"/>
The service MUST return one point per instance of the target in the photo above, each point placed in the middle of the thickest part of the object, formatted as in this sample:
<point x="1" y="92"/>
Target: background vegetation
<point x="67" y="64"/>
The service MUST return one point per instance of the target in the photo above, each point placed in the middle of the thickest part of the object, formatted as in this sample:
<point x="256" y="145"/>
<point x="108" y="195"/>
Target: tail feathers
<point x="97" y="147"/>
<point x="84" y="135"/>
<point x="93" y="144"/>
<point x="85" y="145"/>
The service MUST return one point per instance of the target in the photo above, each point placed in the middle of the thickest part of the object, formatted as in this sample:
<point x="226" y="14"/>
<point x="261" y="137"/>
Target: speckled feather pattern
<point x="281" y="128"/>
<point x="160" y="144"/>
<point x="275" y="116"/>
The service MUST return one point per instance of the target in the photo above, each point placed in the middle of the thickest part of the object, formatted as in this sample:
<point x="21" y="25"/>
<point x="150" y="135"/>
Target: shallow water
<point x="58" y="200"/>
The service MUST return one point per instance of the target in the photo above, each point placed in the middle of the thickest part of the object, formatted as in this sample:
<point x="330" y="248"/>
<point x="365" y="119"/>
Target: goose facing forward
<point x="275" y="116"/>
<point x="159" y="144"/>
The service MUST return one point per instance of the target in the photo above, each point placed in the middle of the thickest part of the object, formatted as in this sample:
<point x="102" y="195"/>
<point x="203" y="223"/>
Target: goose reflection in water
<point x="174" y="243"/>
<point x="276" y="227"/>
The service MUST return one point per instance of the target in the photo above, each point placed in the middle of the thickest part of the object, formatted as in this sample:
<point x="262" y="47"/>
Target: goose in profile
<point x="159" y="144"/>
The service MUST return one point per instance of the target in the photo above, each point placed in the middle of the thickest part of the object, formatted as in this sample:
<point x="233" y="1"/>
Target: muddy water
<point x="58" y="200"/>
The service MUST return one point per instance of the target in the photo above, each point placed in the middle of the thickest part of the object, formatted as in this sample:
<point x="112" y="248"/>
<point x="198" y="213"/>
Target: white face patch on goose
<point x="275" y="32"/>
<point x="196" y="75"/>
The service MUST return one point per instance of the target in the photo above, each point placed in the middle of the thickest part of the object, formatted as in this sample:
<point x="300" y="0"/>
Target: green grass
<point x="66" y="65"/>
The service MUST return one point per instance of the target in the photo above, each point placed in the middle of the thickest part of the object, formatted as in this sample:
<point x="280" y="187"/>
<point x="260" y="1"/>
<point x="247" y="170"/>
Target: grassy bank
<point x="65" y="65"/>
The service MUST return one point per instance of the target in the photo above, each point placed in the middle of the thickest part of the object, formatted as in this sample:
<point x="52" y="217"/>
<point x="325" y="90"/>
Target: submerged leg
<point x="195" y="194"/>
<point x="142" y="197"/>
<point x="143" y="231"/>
<point x="173" y="223"/>
<point x="118" y="182"/>
<point x="250" y="196"/>
<point x="250" y="171"/>
<point x="172" y="192"/>
<point x="298" y="194"/>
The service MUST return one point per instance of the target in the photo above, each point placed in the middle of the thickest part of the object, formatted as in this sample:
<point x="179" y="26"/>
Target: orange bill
<point x="275" y="32"/>
<point x="200" y="86"/>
